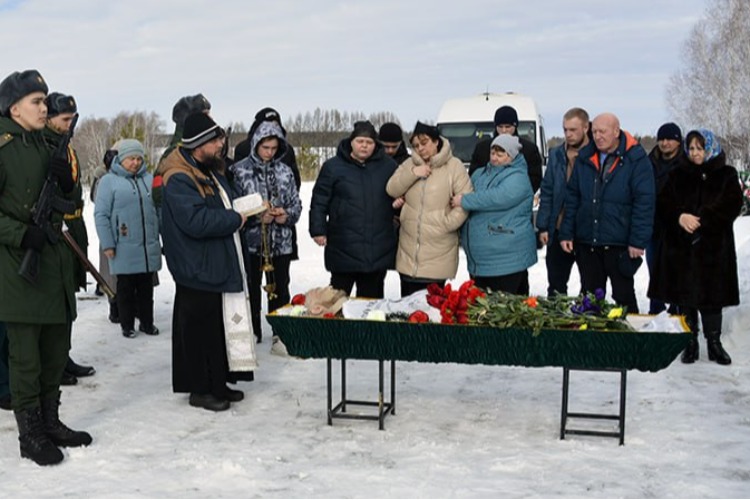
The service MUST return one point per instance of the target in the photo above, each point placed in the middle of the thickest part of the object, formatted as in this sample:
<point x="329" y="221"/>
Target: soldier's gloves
<point x="62" y="170"/>
<point x="33" y="239"/>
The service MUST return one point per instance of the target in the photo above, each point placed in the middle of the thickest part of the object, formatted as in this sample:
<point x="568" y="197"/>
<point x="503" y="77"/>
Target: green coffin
<point x="307" y="337"/>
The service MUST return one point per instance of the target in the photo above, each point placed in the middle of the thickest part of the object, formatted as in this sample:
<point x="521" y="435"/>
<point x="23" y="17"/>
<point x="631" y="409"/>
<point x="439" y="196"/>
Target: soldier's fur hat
<point x="18" y="85"/>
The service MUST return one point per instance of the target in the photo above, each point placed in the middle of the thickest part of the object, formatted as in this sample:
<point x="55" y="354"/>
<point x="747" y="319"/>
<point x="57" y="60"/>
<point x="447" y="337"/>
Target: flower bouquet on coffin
<point x="560" y="312"/>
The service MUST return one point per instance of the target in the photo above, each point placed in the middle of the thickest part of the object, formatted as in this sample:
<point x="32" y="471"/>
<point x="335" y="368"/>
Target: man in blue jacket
<point x="609" y="210"/>
<point x="552" y="199"/>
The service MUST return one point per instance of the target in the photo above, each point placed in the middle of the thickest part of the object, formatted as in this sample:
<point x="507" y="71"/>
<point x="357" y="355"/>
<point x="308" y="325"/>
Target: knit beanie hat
<point x="199" y="129"/>
<point x="364" y="129"/>
<point x="423" y="129"/>
<point x="506" y="115"/>
<point x="129" y="147"/>
<point x="669" y="131"/>
<point x="508" y="143"/>
<point x="18" y="85"/>
<point x="188" y="105"/>
<point x="268" y="115"/>
<point x="58" y="103"/>
<point x="390" y="132"/>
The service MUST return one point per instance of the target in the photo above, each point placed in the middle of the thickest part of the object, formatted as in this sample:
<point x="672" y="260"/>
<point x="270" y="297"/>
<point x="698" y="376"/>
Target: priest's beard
<point x="215" y="164"/>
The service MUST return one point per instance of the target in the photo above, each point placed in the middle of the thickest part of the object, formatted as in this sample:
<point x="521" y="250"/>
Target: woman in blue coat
<point x="498" y="236"/>
<point x="128" y="229"/>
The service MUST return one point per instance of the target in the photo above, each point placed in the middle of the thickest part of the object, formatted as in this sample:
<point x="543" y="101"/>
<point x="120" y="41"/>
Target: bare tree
<point x="95" y="135"/>
<point x="712" y="89"/>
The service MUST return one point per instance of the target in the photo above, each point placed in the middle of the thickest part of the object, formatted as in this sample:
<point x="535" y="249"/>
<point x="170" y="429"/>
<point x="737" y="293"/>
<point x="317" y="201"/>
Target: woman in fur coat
<point x="696" y="267"/>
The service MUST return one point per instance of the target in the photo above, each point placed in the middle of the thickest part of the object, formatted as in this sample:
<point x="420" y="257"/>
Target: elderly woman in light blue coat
<point x="498" y="237"/>
<point x="128" y="228"/>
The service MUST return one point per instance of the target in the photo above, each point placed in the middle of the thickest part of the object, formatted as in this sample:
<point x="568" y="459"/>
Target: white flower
<point x="298" y="311"/>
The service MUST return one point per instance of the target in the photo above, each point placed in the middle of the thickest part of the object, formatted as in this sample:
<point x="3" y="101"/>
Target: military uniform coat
<point x="24" y="162"/>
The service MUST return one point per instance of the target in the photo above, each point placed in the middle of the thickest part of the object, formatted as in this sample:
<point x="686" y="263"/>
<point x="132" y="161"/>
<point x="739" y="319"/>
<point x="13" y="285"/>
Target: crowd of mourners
<point x="604" y="205"/>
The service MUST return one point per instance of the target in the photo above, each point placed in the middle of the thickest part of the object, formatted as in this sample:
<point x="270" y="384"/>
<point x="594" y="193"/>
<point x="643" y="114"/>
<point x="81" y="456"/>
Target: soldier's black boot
<point x="716" y="351"/>
<point x="34" y="442"/>
<point x="58" y="432"/>
<point x="691" y="352"/>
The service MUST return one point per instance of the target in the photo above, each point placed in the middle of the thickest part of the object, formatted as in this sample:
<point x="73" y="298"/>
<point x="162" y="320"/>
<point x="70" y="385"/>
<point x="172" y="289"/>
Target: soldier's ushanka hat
<point x="58" y="104"/>
<point x="18" y="85"/>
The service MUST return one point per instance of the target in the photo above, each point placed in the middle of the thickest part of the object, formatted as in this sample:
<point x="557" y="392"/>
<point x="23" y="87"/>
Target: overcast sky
<point x="406" y="57"/>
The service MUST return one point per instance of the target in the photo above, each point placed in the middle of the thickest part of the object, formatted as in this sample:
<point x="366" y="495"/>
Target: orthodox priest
<point x="212" y="341"/>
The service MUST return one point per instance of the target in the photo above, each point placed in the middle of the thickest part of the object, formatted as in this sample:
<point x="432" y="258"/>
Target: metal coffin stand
<point x="591" y="350"/>
<point x="620" y="417"/>
<point x="340" y="410"/>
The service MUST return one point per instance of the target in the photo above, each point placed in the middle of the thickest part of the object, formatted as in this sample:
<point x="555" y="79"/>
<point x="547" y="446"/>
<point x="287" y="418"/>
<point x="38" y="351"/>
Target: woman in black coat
<point x="696" y="267"/>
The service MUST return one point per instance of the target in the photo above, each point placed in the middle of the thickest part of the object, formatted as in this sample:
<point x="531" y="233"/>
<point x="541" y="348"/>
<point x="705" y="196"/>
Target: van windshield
<point x="465" y="136"/>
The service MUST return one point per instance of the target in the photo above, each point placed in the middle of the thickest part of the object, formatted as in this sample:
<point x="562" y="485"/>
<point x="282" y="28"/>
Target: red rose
<point x="298" y="300"/>
<point x="418" y="317"/>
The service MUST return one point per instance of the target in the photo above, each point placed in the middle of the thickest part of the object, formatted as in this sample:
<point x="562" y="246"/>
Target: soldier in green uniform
<point x="61" y="109"/>
<point x="37" y="314"/>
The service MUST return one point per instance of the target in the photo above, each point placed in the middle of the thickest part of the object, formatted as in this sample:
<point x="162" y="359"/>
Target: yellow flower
<point x="583" y="327"/>
<point x="615" y="313"/>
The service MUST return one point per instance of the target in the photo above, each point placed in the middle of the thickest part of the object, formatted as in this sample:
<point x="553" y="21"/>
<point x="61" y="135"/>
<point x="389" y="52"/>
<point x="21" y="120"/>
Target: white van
<point x="466" y="121"/>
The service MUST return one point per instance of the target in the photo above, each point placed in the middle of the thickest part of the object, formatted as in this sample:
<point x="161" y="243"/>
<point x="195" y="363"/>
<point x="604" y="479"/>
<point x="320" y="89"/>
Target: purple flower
<point x="586" y="303"/>
<point x="599" y="294"/>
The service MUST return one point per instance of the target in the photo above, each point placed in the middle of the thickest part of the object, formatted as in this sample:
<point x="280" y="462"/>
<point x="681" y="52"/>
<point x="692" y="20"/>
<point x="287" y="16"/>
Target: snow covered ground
<point x="460" y="431"/>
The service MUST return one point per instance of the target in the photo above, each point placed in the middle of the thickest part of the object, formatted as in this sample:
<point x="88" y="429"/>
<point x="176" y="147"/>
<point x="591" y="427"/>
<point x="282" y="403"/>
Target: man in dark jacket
<point x="391" y="137"/>
<point x="665" y="157"/>
<point x="204" y="255"/>
<point x="506" y="122"/>
<point x="61" y="109"/>
<point x="37" y="315"/>
<point x="351" y="214"/>
<point x="552" y="199"/>
<point x="609" y="210"/>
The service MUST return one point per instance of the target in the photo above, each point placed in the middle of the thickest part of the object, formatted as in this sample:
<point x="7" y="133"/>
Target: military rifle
<point x="88" y="265"/>
<point x="49" y="201"/>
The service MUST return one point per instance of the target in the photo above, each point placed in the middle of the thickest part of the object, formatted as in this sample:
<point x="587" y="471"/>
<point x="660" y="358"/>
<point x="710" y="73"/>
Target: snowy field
<point x="460" y="431"/>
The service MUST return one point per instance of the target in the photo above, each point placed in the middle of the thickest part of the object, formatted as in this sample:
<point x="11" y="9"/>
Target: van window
<point x="465" y="136"/>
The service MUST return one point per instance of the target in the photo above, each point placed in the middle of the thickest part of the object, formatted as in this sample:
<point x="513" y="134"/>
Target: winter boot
<point x="114" y="312"/>
<point x="58" y="432"/>
<point x="35" y="444"/>
<point x="79" y="370"/>
<point x="691" y="352"/>
<point x="716" y="351"/>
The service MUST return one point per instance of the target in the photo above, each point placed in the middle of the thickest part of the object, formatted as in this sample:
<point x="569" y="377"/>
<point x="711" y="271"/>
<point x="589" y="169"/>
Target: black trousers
<point x="515" y="283"/>
<point x="279" y="276"/>
<point x="369" y="285"/>
<point x="199" y="351"/>
<point x="711" y="318"/>
<point x="559" y="265"/>
<point x="597" y="264"/>
<point x="135" y="294"/>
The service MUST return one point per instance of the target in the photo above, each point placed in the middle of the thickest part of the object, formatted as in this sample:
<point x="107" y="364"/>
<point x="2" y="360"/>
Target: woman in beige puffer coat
<point x="428" y="237"/>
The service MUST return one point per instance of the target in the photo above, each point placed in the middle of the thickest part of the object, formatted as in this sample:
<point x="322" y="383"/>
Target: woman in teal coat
<point x="498" y="236"/>
<point x="128" y="230"/>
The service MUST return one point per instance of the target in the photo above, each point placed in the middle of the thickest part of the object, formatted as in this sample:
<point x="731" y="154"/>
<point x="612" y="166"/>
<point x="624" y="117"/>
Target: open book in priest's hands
<point x="251" y="204"/>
